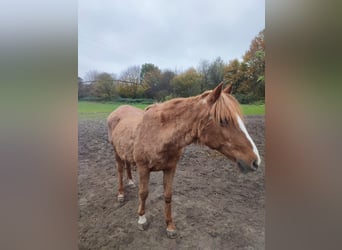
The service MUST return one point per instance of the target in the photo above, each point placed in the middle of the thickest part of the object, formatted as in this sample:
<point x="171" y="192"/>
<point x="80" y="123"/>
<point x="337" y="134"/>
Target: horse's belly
<point x="157" y="161"/>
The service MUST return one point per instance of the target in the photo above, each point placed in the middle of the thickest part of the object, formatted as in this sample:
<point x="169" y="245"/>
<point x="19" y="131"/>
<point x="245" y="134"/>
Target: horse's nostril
<point x="255" y="165"/>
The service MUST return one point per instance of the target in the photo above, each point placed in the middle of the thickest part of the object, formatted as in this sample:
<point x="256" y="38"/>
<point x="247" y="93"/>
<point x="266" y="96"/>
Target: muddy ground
<point x="214" y="205"/>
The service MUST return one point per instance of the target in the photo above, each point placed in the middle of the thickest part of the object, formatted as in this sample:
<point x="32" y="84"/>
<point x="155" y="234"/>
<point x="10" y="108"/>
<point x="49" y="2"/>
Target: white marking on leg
<point x="131" y="182"/>
<point x="121" y="196"/>
<point x="244" y="130"/>
<point x="142" y="219"/>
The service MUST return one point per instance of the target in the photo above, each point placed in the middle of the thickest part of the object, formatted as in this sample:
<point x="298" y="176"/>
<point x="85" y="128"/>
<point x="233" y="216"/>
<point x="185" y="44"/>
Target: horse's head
<point x="222" y="128"/>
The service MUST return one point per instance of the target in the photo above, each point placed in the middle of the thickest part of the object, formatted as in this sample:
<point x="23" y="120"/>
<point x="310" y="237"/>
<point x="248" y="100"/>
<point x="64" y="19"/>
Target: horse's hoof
<point x="142" y="222"/>
<point x="171" y="233"/>
<point x="121" y="198"/>
<point x="143" y="226"/>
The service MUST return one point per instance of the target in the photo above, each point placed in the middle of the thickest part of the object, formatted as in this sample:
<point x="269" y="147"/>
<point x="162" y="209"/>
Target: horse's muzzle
<point x="245" y="168"/>
<point x="255" y="165"/>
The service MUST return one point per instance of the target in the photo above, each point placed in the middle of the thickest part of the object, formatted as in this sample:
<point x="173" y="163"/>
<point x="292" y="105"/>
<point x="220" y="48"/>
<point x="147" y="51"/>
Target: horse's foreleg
<point x="168" y="180"/>
<point x="144" y="178"/>
<point x="120" y="167"/>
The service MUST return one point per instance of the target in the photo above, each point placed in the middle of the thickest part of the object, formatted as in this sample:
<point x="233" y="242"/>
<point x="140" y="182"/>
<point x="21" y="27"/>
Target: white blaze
<point x="244" y="130"/>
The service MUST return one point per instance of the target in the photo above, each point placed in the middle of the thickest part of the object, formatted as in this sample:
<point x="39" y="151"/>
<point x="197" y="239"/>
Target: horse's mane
<point x="225" y="110"/>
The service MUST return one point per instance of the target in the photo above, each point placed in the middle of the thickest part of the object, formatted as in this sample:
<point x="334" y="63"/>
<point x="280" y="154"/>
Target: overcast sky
<point x="172" y="34"/>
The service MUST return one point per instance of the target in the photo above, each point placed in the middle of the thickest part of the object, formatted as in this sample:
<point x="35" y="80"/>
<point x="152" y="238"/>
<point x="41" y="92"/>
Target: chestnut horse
<point x="122" y="124"/>
<point x="213" y="119"/>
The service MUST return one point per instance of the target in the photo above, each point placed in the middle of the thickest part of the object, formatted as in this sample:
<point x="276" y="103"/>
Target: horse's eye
<point x="224" y="122"/>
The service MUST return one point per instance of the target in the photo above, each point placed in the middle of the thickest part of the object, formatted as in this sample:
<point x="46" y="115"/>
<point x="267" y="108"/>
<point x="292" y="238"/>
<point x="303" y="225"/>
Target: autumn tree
<point x="187" y="84"/>
<point x="129" y="90"/>
<point x="129" y="87"/>
<point x="85" y="89"/>
<point x="146" y="68"/>
<point x="233" y="74"/>
<point x="164" y="87"/>
<point x="151" y="77"/>
<point x="104" y="87"/>
<point x="247" y="76"/>
<point x="81" y="93"/>
<point x="203" y="70"/>
<point x="215" y="72"/>
<point x="255" y="60"/>
<point x="131" y="74"/>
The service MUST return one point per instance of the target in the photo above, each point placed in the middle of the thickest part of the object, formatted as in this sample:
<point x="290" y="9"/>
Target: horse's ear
<point x="228" y="89"/>
<point x="215" y="94"/>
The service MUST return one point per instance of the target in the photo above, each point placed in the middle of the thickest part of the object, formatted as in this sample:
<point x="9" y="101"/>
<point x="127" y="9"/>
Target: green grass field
<point x="251" y="109"/>
<point x="100" y="110"/>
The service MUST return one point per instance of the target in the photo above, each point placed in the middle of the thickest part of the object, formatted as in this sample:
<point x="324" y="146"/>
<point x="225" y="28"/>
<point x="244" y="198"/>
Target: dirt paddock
<point x="214" y="205"/>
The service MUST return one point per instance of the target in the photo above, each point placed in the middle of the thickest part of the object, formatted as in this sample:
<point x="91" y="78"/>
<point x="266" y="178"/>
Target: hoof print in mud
<point x="143" y="226"/>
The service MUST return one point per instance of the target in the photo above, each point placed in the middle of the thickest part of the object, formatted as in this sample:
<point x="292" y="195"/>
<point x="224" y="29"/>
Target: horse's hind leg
<point x="129" y="175"/>
<point x="144" y="178"/>
<point x="167" y="181"/>
<point x="120" y="167"/>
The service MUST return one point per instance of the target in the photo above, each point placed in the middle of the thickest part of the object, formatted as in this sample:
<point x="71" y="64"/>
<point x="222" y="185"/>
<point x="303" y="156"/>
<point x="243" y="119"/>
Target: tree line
<point x="149" y="81"/>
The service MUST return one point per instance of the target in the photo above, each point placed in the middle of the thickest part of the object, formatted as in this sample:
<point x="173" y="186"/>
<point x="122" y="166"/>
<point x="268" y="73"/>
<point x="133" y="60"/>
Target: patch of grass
<point x="252" y="109"/>
<point x="88" y="109"/>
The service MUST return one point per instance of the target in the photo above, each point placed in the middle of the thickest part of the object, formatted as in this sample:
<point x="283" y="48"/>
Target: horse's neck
<point x="183" y="126"/>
